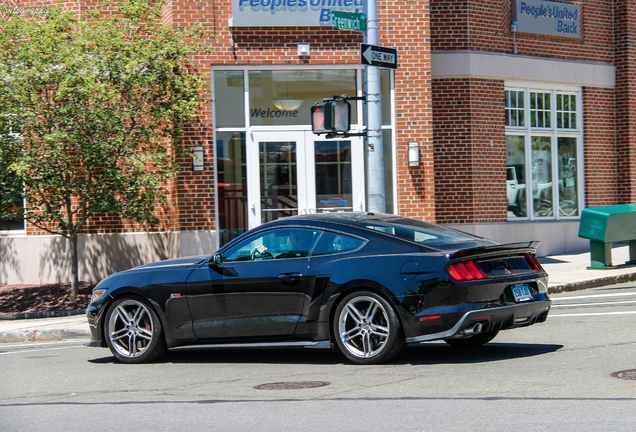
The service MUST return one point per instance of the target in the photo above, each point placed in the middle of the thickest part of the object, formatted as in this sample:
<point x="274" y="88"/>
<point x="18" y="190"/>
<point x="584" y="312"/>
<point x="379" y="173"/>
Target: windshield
<point x="415" y="231"/>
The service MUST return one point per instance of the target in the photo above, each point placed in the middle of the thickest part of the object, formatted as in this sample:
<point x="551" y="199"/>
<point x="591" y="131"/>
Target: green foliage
<point x="101" y="101"/>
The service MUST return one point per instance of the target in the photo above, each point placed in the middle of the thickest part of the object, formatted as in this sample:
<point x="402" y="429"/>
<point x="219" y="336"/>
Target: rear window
<point x="332" y="243"/>
<point x="415" y="231"/>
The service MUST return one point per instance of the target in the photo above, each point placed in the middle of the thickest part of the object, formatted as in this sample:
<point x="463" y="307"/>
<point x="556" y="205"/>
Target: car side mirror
<point x="216" y="261"/>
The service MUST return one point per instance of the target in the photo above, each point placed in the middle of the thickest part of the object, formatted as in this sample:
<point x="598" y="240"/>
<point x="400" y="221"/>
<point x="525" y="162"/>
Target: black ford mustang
<point x="368" y="283"/>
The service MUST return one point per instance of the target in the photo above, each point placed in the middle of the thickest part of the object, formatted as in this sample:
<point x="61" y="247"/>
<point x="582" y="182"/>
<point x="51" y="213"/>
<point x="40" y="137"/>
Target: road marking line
<point x="38" y="350"/>
<point x="596" y="313"/>
<point x="592" y="296"/>
<point x="594" y="304"/>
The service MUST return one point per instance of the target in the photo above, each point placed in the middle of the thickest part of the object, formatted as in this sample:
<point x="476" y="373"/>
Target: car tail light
<point x="466" y="270"/>
<point x="534" y="262"/>
<point x="430" y="317"/>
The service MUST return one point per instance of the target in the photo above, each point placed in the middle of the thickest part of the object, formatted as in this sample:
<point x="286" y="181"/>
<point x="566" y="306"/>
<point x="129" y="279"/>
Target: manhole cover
<point x="626" y="374"/>
<point x="291" y="385"/>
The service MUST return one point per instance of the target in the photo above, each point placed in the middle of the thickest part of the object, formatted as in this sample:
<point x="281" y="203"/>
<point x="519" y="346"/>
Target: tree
<point x="100" y="101"/>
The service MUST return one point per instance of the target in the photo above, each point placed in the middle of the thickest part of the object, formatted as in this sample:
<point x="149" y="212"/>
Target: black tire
<point x="473" y="341"/>
<point x="133" y="331"/>
<point x="366" y="329"/>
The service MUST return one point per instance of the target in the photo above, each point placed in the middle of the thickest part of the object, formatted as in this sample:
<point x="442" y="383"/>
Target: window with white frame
<point x="543" y="151"/>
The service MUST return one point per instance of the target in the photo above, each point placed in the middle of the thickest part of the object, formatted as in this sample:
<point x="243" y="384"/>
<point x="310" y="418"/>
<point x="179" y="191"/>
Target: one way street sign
<point x="374" y="55"/>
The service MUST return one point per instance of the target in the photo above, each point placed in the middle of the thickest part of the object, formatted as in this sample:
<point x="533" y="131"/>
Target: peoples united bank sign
<point x="548" y="18"/>
<point x="290" y="13"/>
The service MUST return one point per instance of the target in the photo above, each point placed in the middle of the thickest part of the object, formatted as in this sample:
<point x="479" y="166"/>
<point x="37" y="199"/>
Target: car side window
<point x="332" y="243"/>
<point x="274" y="244"/>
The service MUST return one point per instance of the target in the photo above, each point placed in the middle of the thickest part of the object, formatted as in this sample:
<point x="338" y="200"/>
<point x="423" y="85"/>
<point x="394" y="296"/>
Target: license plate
<point x="521" y="293"/>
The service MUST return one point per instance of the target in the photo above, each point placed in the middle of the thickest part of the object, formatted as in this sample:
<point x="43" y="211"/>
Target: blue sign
<point x="290" y="13"/>
<point x="547" y="18"/>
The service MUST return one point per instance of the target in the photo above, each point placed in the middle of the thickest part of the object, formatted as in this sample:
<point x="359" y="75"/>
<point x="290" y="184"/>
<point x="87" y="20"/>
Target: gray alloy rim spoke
<point x="138" y="316"/>
<point x="355" y="313"/>
<point x="145" y="334"/>
<point x="132" y="345"/>
<point x="123" y="315"/>
<point x="366" y="344"/>
<point x="379" y="330"/>
<point x="371" y="311"/>
<point x="119" y="334"/>
<point x="346" y="337"/>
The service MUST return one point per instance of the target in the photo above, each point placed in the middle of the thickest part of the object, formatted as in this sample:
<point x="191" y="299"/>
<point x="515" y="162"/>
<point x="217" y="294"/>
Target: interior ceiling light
<point x="288" y="104"/>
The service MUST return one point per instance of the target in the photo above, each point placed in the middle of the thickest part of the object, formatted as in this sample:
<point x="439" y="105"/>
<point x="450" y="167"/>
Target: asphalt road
<point x="551" y="376"/>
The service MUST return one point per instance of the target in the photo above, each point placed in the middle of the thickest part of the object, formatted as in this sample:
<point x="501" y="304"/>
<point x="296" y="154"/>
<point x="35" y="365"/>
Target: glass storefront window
<point x="568" y="201"/>
<point x="514" y="108"/>
<point x="540" y="110"/>
<point x="542" y="176"/>
<point x="232" y="185"/>
<point x="266" y="111"/>
<point x="550" y="156"/>
<point x="566" y="111"/>
<point x="229" y="87"/>
<point x="284" y="97"/>
<point x="516" y="176"/>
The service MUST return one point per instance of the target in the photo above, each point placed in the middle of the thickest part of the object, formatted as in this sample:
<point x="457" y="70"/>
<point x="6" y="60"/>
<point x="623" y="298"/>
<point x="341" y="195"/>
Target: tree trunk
<point x="74" y="265"/>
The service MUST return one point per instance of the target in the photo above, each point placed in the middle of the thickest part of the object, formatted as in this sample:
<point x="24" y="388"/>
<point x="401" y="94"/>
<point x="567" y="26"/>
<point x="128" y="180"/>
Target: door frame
<point x="305" y="169"/>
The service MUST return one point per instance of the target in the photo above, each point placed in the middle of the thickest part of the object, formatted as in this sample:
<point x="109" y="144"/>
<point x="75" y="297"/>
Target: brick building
<point x="520" y="111"/>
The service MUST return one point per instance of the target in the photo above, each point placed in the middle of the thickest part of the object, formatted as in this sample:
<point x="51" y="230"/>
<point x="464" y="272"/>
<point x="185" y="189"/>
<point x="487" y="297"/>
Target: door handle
<point x="290" y="276"/>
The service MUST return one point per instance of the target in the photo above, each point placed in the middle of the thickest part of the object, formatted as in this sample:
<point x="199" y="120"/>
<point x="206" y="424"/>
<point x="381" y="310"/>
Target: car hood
<point x="174" y="262"/>
<point x="146" y="273"/>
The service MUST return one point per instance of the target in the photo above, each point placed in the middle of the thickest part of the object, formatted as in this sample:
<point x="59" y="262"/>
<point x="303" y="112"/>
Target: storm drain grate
<point x="626" y="374"/>
<point x="291" y="385"/>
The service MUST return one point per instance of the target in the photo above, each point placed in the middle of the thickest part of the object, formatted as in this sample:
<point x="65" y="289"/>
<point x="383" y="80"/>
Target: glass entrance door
<point x="292" y="173"/>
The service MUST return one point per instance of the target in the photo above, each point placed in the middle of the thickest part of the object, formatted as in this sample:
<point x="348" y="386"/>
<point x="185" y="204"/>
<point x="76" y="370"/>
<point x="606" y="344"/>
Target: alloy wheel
<point x="364" y="327"/>
<point x="130" y="328"/>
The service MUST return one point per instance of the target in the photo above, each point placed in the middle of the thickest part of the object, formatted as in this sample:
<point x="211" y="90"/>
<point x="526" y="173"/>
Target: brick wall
<point x="407" y="29"/>
<point x="484" y="25"/>
<point x="599" y="147"/>
<point x="470" y="157"/>
<point x="625" y="62"/>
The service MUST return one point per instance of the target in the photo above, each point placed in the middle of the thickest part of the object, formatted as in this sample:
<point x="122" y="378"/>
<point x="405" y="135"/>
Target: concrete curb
<point x="49" y="314"/>
<point x="592" y="283"/>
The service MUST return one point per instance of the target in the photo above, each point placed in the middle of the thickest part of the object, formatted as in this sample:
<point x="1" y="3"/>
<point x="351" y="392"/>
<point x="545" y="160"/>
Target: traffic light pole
<point x="375" y="152"/>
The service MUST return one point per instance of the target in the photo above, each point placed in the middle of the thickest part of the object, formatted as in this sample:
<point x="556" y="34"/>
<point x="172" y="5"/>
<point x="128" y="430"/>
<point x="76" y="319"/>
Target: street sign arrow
<point x="374" y="55"/>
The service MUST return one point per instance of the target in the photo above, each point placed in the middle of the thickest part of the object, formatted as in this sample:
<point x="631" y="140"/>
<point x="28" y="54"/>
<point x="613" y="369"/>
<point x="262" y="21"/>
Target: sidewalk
<point x="567" y="273"/>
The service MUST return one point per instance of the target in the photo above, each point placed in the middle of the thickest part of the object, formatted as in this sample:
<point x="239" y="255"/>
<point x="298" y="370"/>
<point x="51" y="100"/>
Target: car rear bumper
<point x="504" y="317"/>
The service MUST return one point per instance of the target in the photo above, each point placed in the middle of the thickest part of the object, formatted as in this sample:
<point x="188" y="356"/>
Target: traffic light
<point x="334" y="116"/>
<point x="338" y="116"/>
<point x="318" y="119"/>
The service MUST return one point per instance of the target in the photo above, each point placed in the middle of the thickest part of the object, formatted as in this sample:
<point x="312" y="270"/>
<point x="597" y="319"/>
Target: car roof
<point x="346" y="218"/>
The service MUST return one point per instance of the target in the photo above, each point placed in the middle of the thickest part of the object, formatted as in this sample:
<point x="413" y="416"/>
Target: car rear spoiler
<point x="502" y="249"/>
